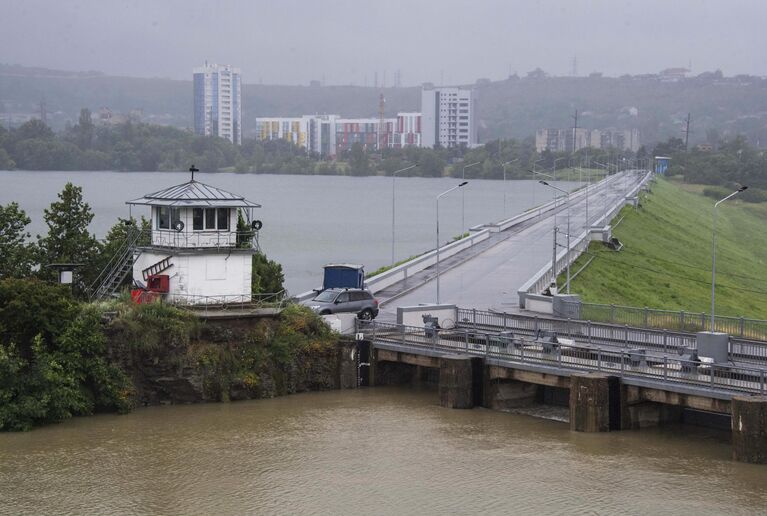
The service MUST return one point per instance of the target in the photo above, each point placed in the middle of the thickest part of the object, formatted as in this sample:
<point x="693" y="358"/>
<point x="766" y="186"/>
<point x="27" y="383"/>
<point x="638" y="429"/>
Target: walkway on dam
<point x="488" y="275"/>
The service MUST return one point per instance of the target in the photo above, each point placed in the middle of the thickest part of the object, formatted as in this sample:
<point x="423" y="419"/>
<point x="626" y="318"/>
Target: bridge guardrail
<point x="755" y="329"/>
<point x="662" y="340"/>
<point x="666" y="370"/>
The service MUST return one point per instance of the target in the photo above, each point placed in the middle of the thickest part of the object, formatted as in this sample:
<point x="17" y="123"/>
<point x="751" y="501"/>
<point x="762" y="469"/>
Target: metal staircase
<point x="115" y="272"/>
<point x="156" y="268"/>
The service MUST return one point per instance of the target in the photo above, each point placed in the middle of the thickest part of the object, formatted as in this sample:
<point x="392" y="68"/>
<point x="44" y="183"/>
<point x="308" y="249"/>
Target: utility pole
<point x="687" y="133"/>
<point x="575" y="131"/>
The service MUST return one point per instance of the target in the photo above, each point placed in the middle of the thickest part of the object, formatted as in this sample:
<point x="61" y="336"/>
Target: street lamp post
<point x="393" y="176"/>
<point x="438" y="198"/>
<point x="463" y="198"/>
<point x="533" y="171"/>
<point x="504" y="184"/>
<point x="567" y="259"/>
<point x="713" y="253"/>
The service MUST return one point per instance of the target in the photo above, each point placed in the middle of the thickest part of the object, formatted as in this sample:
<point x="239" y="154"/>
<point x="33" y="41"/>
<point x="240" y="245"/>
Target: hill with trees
<point x="511" y="108"/>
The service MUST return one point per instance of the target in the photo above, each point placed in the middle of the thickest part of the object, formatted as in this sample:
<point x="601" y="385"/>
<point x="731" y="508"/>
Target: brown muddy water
<point x="373" y="451"/>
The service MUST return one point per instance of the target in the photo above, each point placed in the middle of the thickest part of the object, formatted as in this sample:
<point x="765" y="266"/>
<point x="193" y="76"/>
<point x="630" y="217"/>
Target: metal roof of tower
<point x="194" y="193"/>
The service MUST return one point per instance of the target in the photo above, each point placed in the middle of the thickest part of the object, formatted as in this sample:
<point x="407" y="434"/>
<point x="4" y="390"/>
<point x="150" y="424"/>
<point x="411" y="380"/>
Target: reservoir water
<point x="308" y="220"/>
<point x="370" y="451"/>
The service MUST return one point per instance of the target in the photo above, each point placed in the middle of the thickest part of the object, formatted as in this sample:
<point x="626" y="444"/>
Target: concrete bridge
<point x="608" y="383"/>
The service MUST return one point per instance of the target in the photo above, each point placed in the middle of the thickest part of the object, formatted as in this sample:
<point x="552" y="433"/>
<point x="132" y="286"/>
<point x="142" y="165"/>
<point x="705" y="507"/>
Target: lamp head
<point x="543" y="182"/>
<point x="742" y="188"/>
<point x="463" y="184"/>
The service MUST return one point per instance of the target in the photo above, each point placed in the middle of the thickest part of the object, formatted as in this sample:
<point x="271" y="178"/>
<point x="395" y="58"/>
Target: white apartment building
<point x="448" y="117"/>
<point x="217" y="102"/>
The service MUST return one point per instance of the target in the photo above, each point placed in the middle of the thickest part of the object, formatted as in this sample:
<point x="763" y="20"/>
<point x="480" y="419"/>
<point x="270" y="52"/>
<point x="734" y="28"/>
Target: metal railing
<point x="658" y="340"/>
<point x="674" y="320"/>
<point x="220" y="303"/>
<point x="668" y="371"/>
<point x="204" y="238"/>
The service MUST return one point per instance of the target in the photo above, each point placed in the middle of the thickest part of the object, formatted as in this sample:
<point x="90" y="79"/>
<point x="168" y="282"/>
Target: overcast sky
<point x="348" y="41"/>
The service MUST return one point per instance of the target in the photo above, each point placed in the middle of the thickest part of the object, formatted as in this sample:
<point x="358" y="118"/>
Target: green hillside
<point x="666" y="259"/>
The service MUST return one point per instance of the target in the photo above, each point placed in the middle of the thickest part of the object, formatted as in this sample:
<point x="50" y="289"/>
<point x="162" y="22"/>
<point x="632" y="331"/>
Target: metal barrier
<point x="755" y="329"/>
<point x="660" y="340"/>
<point x="667" y="371"/>
<point x="242" y="302"/>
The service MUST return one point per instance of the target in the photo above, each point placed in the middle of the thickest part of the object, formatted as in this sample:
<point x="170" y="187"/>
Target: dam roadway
<point x="487" y="275"/>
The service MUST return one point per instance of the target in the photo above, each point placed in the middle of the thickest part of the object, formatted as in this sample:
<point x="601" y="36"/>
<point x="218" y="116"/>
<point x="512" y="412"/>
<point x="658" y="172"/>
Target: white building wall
<point x="429" y="118"/>
<point x="196" y="278"/>
<point x="449" y="117"/>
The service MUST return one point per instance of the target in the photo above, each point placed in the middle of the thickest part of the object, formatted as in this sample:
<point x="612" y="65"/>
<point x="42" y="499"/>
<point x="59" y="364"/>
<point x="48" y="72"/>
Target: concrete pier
<point x="590" y="402"/>
<point x="456" y="382"/>
<point x="749" y="429"/>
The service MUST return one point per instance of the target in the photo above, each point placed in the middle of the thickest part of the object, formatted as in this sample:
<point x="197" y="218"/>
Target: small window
<point x="197" y="216"/>
<point x="223" y="218"/>
<point x="210" y="218"/>
<point x="163" y="217"/>
<point x="175" y="216"/>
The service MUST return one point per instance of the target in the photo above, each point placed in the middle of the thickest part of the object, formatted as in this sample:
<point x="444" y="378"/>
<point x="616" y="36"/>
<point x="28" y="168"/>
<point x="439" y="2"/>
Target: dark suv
<point x="335" y="300"/>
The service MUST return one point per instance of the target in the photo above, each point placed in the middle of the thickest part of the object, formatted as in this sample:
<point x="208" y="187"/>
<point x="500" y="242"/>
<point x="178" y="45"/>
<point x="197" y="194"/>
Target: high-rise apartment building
<point x="448" y="117"/>
<point x="217" y="102"/>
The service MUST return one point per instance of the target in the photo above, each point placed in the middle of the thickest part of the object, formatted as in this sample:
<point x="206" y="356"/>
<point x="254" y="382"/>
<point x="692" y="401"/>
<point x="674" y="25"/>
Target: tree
<point x="85" y="129"/>
<point x="33" y="129"/>
<point x="17" y="255"/>
<point x="267" y="276"/>
<point x="358" y="160"/>
<point x="6" y="163"/>
<point x="68" y="240"/>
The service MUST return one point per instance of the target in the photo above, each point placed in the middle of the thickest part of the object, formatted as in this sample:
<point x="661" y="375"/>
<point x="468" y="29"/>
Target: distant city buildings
<point x="217" y="102"/>
<point x="448" y="117"/>
<point x="568" y="140"/>
<point x="331" y="135"/>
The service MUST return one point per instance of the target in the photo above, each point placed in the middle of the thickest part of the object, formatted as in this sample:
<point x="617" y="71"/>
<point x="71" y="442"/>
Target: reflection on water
<point x="380" y="451"/>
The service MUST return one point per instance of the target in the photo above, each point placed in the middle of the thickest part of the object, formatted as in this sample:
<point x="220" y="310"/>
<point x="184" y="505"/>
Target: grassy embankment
<point x="666" y="261"/>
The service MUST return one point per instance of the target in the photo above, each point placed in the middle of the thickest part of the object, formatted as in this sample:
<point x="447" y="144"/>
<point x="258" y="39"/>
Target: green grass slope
<point x="666" y="261"/>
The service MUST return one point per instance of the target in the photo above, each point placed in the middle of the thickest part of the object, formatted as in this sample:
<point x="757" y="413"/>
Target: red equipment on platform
<point x="158" y="283"/>
<point x="142" y="297"/>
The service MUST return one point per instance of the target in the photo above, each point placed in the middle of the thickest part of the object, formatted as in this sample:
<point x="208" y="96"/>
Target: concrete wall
<point x="201" y="274"/>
